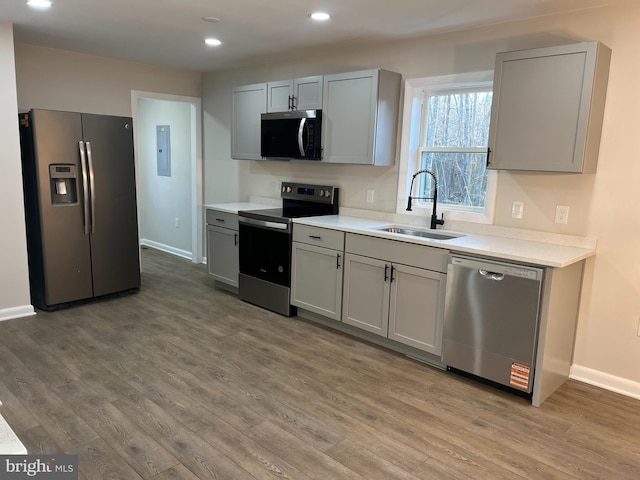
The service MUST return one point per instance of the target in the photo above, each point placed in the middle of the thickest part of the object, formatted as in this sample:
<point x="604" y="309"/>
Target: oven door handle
<point x="264" y="223"/>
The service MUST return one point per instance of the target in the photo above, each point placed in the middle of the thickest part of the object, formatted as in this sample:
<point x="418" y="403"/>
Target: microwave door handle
<point x="300" y="132"/>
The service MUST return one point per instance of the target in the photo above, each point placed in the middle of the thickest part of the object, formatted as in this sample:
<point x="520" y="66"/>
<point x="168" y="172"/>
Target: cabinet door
<point x="279" y="96"/>
<point x="416" y="310"/>
<point x="316" y="283"/>
<point x="349" y="113"/>
<point x="222" y="254"/>
<point x="366" y="293"/>
<point x="248" y="102"/>
<point x="547" y="108"/>
<point x="307" y="92"/>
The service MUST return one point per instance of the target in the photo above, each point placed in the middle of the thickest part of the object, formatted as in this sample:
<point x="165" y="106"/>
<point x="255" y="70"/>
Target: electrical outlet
<point x="177" y="222"/>
<point x="369" y="197"/>
<point x="517" y="210"/>
<point x="562" y="213"/>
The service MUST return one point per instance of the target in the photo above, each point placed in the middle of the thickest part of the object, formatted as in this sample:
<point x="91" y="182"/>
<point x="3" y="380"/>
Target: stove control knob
<point x="327" y="193"/>
<point x="322" y="193"/>
<point x="289" y="189"/>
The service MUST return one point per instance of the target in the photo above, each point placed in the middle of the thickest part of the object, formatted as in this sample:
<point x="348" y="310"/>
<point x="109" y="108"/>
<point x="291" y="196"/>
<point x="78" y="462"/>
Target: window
<point x="448" y="119"/>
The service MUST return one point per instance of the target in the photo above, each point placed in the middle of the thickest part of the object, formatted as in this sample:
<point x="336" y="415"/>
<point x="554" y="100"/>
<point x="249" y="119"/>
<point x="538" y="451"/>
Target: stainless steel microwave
<point x="291" y="135"/>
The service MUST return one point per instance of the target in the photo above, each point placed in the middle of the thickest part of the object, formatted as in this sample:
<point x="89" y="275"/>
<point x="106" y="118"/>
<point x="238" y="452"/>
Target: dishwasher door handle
<point x="491" y="275"/>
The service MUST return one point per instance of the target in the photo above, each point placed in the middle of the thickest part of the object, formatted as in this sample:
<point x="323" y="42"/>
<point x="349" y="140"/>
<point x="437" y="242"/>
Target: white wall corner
<point x="16" y="312"/>
<point x="607" y="381"/>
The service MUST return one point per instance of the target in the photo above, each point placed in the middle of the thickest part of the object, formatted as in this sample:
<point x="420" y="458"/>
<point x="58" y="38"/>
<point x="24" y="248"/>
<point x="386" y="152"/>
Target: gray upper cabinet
<point x="297" y="94"/>
<point x="248" y="102"/>
<point x="548" y="106"/>
<point x="360" y="117"/>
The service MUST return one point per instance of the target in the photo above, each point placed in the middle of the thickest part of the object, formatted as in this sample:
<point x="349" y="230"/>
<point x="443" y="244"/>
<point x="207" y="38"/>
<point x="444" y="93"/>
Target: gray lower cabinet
<point x="385" y="296"/>
<point x="316" y="270"/>
<point x="396" y="301"/>
<point x="416" y="308"/>
<point x="222" y="247"/>
<point x="366" y="293"/>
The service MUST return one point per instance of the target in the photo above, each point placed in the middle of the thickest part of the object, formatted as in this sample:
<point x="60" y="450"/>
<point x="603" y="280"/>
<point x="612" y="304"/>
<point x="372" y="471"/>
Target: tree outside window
<point x="453" y="145"/>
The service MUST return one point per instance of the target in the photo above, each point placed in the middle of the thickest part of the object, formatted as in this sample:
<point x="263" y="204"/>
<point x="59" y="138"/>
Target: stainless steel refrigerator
<point x="80" y="204"/>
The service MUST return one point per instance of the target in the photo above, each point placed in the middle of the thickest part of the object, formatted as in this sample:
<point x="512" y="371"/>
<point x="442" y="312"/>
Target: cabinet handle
<point x="338" y="261"/>
<point x="386" y="272"/>
<point x="220" y="220"/>
<point x="488" y="156"/>
<point x="392" y="270"/>
<point x="235" y="239"/>
<point x="315" y="237"/>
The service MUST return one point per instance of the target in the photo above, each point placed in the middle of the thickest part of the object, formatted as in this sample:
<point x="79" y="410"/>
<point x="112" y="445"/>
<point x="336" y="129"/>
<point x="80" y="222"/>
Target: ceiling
<point x="171" y="32"/>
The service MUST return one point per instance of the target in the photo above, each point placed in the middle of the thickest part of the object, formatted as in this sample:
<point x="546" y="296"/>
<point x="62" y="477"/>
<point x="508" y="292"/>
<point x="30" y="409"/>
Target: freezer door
<point x="114" y="227"/>
<point x="59" y="250"/>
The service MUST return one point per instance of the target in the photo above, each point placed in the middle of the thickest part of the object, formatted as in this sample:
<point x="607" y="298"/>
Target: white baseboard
<point x="166" y="248"/>
<point x="607" y="381"/>
<point x="16" y="312"/>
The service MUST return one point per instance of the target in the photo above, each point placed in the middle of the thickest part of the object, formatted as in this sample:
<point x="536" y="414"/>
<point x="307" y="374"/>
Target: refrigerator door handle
<point x="85" y="186"/>
<point x="92" y="183"/>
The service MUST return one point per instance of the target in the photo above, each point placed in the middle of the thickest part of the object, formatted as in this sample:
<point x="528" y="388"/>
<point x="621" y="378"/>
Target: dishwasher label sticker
<point x="520" y="375"/>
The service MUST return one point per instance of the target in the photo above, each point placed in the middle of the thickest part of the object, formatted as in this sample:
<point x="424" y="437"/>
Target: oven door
<point x="265" y="252"/>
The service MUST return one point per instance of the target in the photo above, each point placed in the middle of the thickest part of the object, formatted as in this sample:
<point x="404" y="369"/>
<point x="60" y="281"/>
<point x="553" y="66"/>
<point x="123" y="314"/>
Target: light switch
<point x="369" y="197"/>
<point x="517" y="210"/>
<point x="562" y="214"/>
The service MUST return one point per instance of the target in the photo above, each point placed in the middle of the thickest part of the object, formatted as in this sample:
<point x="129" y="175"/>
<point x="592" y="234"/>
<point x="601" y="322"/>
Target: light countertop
<point x="502" y="248"/>
<point x="236" y="207"/>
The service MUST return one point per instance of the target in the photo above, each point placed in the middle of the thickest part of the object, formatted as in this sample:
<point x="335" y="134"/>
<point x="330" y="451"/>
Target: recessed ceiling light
<point x="40" y="4"/>
<point x="211" y="19"/>
<point x="213" y="42"/>
<point x="320" y="16"/>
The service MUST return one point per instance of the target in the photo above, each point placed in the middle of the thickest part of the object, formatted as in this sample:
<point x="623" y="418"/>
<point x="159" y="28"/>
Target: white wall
<point x="163" y="199"/>
<point x="61" y="80"/>
<point x="603" y="205"/>
<point x="14" y="274"/>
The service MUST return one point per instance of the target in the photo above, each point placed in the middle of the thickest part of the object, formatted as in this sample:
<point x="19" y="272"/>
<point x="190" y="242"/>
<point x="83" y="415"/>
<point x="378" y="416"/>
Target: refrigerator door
<point x="114" y="224"/>
<point x="59" y="250"/>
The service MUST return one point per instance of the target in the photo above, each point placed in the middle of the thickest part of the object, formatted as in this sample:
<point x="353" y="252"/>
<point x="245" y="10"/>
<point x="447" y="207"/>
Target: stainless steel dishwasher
<point x="491" y="320"/>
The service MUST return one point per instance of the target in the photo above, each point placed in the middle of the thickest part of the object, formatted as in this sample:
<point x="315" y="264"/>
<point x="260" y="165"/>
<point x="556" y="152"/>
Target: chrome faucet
<point x="434" y="216"/>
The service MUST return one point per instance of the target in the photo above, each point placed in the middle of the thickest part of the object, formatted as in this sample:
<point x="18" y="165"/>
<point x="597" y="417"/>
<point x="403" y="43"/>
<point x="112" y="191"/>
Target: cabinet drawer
<point x="318" y="236"/>
<point x="420" y="256"/>
<point x="222" y="219"/>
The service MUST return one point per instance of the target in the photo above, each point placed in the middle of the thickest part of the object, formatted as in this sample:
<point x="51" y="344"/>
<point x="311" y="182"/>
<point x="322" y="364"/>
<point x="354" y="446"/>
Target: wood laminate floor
<point x="183" y="381"/>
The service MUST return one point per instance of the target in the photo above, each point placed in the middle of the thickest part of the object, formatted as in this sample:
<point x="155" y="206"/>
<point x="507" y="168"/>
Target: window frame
<point x="411" y="148"/>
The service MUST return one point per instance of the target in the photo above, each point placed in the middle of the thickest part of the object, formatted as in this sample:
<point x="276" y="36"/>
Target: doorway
<point x="169" y="199"/>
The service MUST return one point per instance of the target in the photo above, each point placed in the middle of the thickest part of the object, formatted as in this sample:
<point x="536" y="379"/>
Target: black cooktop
<point x="299" y="200"/>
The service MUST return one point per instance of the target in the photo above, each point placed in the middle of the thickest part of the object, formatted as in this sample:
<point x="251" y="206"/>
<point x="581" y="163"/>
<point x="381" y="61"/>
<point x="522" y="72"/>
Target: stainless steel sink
<point x="414" y="232"/>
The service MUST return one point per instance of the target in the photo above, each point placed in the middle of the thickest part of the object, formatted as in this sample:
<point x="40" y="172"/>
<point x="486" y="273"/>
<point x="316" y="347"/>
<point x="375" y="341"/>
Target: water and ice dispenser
<point x="64" y="184"/>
